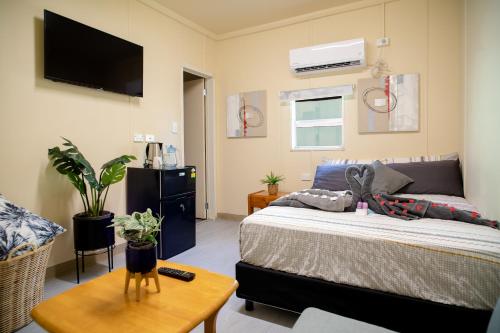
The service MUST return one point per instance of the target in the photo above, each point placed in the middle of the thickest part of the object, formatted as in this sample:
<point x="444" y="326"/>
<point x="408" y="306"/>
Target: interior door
<point x="194" y="139"/>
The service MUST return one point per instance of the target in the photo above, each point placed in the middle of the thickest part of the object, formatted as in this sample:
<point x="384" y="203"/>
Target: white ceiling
<point x="223" y="16"/>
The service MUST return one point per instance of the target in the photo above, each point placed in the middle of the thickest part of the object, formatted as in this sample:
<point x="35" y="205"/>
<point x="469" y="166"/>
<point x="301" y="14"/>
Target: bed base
<point x="400" y="313"/>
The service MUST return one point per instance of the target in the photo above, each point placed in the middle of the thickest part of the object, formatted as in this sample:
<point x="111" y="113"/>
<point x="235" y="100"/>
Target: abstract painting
<point x="246" y="114"/>
<point x="389" y="104"/>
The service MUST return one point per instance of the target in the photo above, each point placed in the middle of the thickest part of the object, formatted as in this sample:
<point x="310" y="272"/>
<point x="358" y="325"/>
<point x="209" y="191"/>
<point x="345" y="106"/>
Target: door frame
<point x="210" y="139"/>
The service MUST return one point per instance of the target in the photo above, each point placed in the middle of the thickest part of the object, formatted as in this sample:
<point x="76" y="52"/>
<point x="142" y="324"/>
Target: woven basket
<point x="21" y="285"/>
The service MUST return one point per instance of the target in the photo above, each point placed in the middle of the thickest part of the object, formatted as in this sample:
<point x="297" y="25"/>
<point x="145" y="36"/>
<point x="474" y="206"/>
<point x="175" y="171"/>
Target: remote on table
<point x="176" y="273"/>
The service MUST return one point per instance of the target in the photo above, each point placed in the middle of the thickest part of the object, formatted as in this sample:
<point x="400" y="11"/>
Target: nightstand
<point x="261" y="199"/>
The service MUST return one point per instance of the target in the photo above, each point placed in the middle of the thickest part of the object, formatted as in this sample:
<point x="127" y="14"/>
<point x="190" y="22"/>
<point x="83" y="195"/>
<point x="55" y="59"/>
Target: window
<point x="317" y="124"/>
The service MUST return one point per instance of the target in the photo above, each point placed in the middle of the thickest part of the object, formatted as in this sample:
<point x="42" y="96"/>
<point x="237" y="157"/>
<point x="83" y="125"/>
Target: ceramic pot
<point x="93" y="233"/>
<point x="272" y="189"/>
<point x="140" y="257"/>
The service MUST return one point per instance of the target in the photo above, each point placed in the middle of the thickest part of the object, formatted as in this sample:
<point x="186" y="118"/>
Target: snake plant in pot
<point x="139" y="229"/>
<point x="90" y="226"/>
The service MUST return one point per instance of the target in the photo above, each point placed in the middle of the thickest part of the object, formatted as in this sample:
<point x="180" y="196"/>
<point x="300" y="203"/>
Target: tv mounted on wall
<point x="78" y="54"/>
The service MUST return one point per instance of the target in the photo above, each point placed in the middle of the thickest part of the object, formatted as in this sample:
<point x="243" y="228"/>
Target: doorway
<point x="195" y="135"/>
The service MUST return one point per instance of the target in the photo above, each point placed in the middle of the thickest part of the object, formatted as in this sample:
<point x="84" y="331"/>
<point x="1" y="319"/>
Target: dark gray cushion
<point x="331" y="177"/>
<point x="387" y="180"/>
<point x="439" y="177"/>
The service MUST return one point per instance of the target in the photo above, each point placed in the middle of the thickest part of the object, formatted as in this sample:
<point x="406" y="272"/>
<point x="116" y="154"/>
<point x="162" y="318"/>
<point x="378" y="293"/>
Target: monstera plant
<point x="91" y="227"/>
<point x="93" y="190"/>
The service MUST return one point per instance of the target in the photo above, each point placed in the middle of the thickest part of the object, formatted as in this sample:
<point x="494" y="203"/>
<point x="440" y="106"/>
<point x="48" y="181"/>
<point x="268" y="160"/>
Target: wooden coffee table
<point x="101" y="305"/>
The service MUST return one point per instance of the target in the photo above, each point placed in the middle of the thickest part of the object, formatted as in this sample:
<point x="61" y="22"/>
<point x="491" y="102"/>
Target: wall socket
<point x="138" y="137"/>
<point x="384" y="41"/>
<point x="150" y="138"/>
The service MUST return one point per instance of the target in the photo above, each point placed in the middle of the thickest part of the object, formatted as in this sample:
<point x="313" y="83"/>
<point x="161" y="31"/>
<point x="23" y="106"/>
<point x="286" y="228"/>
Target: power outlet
<point x="150" y="138"/>
<point x="175" y="127"/>
<point x="383" y="42"/>
<point x="138" y="137"/>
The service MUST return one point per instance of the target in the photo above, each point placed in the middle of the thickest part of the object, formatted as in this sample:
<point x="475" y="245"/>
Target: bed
<point x="409" y="276"/>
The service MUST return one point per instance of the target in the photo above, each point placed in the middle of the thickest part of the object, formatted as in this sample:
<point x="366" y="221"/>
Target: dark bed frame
<point x="396" y="312"/>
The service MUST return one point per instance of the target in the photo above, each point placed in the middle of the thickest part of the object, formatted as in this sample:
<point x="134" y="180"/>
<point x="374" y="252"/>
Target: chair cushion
<point x="319" y="321"/>
<point x="18" y="226"/>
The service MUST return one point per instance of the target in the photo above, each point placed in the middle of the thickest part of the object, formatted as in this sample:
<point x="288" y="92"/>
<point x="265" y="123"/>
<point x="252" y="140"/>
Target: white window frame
<point x="315" y="123"/>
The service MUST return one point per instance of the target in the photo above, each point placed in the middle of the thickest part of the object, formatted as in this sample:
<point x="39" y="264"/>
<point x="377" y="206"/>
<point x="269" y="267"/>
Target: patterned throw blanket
<point x="405" y="208"/>
<point x="331" y="201"/>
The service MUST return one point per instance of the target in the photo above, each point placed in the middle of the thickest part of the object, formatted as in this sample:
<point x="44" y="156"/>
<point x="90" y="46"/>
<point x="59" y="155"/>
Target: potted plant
<point x="139" y="229"/>
<point x="272" y="182"/>
<point x="90" y="226"/>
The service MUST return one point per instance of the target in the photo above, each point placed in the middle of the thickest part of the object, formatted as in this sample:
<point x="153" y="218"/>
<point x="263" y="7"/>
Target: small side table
<point x="261" y="199"/>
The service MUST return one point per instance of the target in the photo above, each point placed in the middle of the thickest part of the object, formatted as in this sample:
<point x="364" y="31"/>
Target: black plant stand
<point x="94" y="235"/>
<point x="81" y="253"/>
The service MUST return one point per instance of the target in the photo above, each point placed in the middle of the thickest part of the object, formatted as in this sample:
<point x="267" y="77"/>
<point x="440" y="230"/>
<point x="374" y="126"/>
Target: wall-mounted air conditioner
<point x="328" y="57"/>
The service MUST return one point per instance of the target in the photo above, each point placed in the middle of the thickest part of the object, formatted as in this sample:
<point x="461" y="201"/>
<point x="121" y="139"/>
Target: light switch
<point x="138" y="137"/>
<point x="175" y="127"/>
<point x="306" y="176"/>
<point x="150" y="138"/>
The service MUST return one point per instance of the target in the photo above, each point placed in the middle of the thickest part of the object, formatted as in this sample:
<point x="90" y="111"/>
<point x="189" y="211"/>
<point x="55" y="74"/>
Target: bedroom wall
<point x="35" y="112"/>
<point x="426" y="38"/>
<point x="482" y="137"/>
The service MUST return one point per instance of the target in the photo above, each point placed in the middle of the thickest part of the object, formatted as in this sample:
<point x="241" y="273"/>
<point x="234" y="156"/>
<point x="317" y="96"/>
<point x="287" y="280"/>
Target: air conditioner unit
<point x="328" y="57"/>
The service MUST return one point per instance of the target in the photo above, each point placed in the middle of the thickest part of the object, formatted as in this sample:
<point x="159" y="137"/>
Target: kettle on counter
<point x="153" y="149"/>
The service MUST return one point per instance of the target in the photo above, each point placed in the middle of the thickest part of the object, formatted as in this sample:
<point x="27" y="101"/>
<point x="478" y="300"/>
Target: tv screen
<point x="81" y="55"/>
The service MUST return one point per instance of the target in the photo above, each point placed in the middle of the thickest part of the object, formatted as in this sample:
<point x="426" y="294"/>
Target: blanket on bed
<point x="331" y="201"/>
<point x="405" y="208"/>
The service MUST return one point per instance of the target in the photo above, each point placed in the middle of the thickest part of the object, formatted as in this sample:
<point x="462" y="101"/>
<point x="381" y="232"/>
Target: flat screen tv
<point x="78" y="54"/>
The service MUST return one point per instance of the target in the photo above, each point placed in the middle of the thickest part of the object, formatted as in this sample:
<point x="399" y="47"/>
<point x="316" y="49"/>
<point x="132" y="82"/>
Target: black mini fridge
<point x="171" y="194"/>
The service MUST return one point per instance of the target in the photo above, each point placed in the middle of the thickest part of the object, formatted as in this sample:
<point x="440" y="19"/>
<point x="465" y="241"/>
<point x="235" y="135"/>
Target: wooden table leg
<point x="138" y="279"/>
<point x="127" y="281"/>
<point x="155" y="277"/>
<point x="211" y="323"/>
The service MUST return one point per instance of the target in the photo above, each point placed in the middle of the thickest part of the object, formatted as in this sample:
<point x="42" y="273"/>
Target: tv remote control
<point x="176" y="273"/>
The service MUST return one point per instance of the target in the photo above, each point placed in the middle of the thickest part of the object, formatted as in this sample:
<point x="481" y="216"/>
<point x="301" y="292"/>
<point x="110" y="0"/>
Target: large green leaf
<point x="88" y="172"/>
<point x="113" y="174"/>
<point x="78" y="183"/>
<point x="124" y="159"/>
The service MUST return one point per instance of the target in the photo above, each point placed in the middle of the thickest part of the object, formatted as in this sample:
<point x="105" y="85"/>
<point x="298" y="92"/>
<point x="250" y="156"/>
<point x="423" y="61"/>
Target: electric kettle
<point x="153" y="149"/>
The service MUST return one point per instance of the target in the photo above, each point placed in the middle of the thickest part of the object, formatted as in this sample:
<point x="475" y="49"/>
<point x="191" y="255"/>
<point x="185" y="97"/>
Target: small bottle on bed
<point x="365" y="208"/>
<point x="359" y="208"/>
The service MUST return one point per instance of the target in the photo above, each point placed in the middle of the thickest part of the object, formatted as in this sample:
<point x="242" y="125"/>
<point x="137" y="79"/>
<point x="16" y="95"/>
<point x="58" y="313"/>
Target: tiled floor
<point x="216" y="250"/>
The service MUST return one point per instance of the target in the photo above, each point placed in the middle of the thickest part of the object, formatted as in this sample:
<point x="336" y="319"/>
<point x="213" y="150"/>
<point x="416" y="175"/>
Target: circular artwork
<point x="370" y="95"/>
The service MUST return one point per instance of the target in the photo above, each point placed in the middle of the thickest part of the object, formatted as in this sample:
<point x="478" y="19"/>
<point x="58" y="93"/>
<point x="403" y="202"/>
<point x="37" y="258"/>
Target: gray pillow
<point x="387" y="180"/>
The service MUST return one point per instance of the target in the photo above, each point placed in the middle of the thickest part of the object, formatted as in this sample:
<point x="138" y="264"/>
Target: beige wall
<point x="426" y="38"/>
<point x="482" y="134"/>
<point x="35" y="112"/>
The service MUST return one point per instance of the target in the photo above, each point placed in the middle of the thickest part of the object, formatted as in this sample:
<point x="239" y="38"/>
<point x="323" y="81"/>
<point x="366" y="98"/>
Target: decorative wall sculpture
<point x="246" y="114"/>
<point x="388" y="104"/>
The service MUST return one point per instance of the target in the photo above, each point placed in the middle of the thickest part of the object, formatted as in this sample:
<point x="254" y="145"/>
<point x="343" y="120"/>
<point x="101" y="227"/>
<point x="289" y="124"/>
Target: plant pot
<point x="272" y="189"/>
<point x="140" y="257"/>
<point x="93" y="233"/>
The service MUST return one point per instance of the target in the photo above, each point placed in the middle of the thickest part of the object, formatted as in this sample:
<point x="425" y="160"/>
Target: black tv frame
<point x="83" y="84"/>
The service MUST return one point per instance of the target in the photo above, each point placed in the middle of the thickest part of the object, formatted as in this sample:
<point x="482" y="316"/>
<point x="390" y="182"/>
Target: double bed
<point x="409" y="276"/>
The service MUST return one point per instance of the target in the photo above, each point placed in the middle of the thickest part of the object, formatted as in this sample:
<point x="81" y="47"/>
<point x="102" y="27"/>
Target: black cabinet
<point x="171" y="194"/>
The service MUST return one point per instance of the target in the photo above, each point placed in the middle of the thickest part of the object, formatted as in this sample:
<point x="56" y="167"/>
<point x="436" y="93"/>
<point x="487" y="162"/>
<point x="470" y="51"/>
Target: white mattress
<point x="444" y="261"/>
